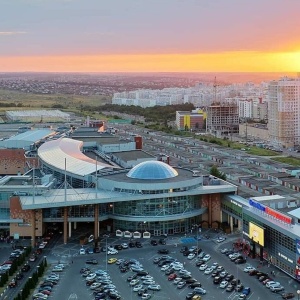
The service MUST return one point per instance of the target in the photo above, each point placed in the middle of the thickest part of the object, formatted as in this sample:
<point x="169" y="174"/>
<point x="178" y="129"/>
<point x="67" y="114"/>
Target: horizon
<point x="153" y="36"/>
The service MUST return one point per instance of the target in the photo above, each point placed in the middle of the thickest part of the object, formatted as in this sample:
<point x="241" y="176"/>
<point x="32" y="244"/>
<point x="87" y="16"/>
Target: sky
<point x="150" y="35"/>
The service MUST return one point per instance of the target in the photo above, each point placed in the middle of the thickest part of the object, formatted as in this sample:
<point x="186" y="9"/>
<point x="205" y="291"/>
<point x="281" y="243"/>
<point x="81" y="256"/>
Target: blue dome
<point x="152" y="170"/>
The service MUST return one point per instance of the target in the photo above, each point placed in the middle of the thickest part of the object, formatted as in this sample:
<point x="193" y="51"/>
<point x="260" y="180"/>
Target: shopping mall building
<point x="118" y="187"/>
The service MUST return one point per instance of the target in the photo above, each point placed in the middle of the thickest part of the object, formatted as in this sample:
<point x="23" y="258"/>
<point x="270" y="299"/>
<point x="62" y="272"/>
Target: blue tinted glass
<point x="152" y="170"/>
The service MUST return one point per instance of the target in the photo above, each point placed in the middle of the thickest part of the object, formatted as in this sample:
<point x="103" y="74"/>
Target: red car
<point x="172" y="276"/>
<point x="46" y="292"/>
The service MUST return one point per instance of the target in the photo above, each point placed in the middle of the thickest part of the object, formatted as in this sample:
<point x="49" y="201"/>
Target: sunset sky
<point x="150" y="35"/>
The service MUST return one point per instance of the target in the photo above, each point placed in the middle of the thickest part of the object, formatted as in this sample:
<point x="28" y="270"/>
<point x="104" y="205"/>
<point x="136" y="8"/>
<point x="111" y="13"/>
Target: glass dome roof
<point x="152" y="170"/>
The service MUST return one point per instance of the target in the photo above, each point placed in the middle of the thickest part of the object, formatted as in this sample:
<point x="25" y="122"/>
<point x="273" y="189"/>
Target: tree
<point x="215" y="172"/>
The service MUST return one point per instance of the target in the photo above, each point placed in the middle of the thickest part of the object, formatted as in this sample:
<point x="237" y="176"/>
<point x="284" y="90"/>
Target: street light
<point x="298" y="293"/>
<point x="105" y="236"/>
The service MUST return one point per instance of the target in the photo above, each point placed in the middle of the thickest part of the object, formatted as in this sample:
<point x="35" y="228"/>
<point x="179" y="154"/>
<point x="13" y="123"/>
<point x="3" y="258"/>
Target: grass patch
<point x="261" y="152"/>
<point x="288" y="160"/>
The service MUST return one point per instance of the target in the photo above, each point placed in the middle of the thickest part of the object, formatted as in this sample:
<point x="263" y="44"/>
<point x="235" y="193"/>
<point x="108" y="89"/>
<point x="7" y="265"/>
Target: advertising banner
<point x="256" y="233"/>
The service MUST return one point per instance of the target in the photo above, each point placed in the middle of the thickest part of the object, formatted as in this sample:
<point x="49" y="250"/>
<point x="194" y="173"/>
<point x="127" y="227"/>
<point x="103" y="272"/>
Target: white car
<point x="154" y="287"/>
<point x="276" y="289"/>
<point x="200" y="290"/>
<point x="124" y="245"/>
<point x="112" y="251"/>
<point x="223" y="284"/>
<point x="220" y="239"/>
<point x="165" y="268"/>
<point x="149" y="282"/>
<point x="207" y="257"/>
<point x="214" y="265"/>
<point x="134" y="282"/>
<point x="248" y="269"/>
<point x="90" y="277"/>
<point x="82" y="251"/>
<point x="208" y="271"/>
<point x="95" y="285"/>
<point x="176" y="280"/>
<point x="178" y="267"/>
<point x="146" y="296"/>
<point x="191" y="255"/>
<point x="224" y="250"/>
<point x="272" y="283"/>
<point x="138" y="287"/>
<point x="203" y="267"/>
<point x="184" y="272"/>
<point x="147" y="277"/>
<point x="233" y="255"/>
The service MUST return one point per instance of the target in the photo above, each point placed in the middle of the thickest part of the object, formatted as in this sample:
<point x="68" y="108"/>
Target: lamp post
<point x="105" y="236"/>
<point x="298" y="293"/>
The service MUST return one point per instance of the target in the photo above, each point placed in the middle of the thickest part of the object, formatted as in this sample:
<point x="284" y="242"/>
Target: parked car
<point x="181" y="284"/>
<point x="276" y="289"/>
<point x="288" y="295"/>
<point x="92" y="261"/>
<point x="163" y="251"/>
<point x="154" y="242"/>
<point x="200" y="290"/>
<point x="154" y="287"/>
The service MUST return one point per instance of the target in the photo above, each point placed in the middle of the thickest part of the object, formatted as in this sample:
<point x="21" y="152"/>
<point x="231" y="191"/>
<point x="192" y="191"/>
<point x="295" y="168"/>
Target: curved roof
<point x="65" y="151"/>
<point x="152" y="170"/>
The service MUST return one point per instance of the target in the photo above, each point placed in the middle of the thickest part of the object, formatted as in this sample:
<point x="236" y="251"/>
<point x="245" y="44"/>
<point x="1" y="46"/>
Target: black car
<point x="162" y="241"/>
<point x="100" y="296"/>
<point x="25" y="268"/>
<point x="90" y="282"/>
<point x="142" y="273"/>
<point x="161" y="262"/>
<point x="239" y="287"/>
<point x="186" y="253"/>
<point x="154" y="242"/>
<point x="215" y="273"/>
<point x="131" y="277"/>
<point x="200" y="262"/>
<point x="186" y="276"/>
<point x="19" y="276"/>
<point x="184" y="248"/>
<point x="83" y="270"/>
<point x="124" y="269"/>
<point x="217" y="280"/>
<point x="195" y="284"/>
<point x="132" y="244"/>
<point x="189" y="296"/>
<point x="229" y="277"/>
<point x="114" y="296"/>
<point x="169" y="271"/>
<point x="235" y="281"/>
<point x="142" y="291"/>
<point x="156" y="260"/>
<point x="240" y="261"/>
<point x="190" y="280"/>
<point x="91" y="262"/>
<point x="97" y="250"/>
<point x="138" y="244"/>
<point x="163" y="251"/>
<point x="118" y="247"/>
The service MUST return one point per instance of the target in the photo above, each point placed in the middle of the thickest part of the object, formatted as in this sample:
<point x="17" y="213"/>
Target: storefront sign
<point x="235" y="203"/>
<point x="271" y="212"/>
<point x="285" y="257"/>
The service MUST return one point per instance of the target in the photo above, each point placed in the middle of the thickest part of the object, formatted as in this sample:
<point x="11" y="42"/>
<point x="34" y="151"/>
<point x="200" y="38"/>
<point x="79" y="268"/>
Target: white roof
<point x="267" y="198"/>
<point x="65" y="153"/>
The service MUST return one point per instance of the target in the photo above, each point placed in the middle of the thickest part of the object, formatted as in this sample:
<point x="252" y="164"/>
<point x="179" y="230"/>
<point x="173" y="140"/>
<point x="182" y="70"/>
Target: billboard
<point x="256" y="233"/>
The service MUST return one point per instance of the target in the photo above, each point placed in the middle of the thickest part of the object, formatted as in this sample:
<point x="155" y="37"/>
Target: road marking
<point x="73" y="296"/>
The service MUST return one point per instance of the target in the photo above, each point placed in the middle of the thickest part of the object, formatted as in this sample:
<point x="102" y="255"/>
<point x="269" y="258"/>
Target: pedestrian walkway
<point x="188" y="240"/>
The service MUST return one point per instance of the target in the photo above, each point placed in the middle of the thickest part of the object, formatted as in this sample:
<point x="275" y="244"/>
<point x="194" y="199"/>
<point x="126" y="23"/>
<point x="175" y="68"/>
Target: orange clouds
<point x="237" y="61"/>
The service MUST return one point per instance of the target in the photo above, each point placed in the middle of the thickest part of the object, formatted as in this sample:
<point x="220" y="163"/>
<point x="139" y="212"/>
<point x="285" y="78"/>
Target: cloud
<point x="7" y="33"/>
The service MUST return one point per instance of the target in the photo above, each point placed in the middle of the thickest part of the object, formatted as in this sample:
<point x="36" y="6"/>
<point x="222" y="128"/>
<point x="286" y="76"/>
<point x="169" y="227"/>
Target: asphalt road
<point x="72" y="284"/>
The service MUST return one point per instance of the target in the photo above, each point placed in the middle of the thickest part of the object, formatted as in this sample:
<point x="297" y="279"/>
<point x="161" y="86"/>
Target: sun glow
<point x="237" y="61"/>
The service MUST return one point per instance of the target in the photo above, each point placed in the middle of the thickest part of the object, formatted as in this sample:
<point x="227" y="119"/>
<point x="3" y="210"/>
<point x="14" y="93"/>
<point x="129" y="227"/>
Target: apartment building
<point x="284" y="112"/>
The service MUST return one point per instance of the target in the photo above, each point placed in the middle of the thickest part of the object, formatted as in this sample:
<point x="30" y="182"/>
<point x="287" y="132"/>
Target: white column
<point x="75" y="225"/>
<point x="231" y="224"/>
<point x="70" y="229"/>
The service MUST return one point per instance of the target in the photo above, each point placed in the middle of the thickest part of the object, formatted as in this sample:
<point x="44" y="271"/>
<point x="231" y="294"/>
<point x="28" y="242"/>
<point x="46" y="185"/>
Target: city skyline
<point x="149" y="36"/>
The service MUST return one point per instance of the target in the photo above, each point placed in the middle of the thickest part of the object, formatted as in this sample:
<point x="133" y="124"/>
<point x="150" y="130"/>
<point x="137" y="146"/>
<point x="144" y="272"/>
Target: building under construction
<point x="222" y="118"/>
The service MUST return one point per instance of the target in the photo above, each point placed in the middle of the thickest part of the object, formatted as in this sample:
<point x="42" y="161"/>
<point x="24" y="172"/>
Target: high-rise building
<point x="284" y="112"/>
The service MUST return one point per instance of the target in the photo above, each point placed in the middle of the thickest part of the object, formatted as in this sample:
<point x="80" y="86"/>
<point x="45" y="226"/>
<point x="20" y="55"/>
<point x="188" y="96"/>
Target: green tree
<point x="215" y="172"/>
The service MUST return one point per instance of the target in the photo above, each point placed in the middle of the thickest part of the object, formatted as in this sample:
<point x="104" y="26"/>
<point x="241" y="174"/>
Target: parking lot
<point x="72" y="284"/>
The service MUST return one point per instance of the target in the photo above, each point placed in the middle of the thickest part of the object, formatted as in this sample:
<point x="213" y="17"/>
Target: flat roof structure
<point x="25" y="139"/>
<point x="134" y="154"/>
